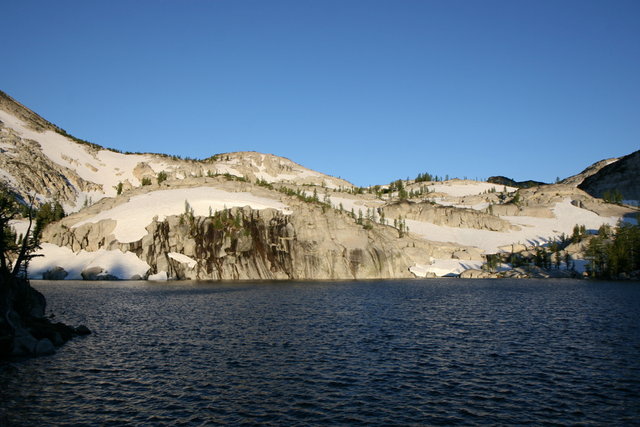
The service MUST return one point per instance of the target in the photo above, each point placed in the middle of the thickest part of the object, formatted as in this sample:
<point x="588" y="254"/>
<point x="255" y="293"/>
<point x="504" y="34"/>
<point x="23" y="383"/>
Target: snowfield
<point x="123" y="265"/>
<point x="181" y="258"/>
<point x="133" y="216"/>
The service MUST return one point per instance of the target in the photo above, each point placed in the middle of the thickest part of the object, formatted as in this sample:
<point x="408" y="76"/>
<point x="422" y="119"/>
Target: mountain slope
<point x="503" y="180"/>
<point x="621" y="176"/>
<point x="36" y="156"/>
<point x="577" y="179"/>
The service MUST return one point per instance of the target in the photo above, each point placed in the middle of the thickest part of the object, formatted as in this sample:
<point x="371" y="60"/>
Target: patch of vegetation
<point x="265" y="184"/>
<point x="146" y="181"/>
<point x="516" y="199"/>
<point x="225" y="220"/>
<point x="614" y="253"/>
<point x="162" y="176"/>
<point x="301" y="195"/>
<point x="579" y="233"/>
<point x="613" y="196"/>
<point x="427" y="177"/>
<point x="48" y="213"/>
<point x="401" y="225"/>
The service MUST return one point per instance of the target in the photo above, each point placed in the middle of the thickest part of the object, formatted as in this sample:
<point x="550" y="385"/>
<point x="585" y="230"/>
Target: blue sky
<point x="368" y="90"/>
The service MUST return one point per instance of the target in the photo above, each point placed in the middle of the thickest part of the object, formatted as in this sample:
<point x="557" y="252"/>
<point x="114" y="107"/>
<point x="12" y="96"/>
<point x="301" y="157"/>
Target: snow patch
<point x="123" y="265"/>
<point x="181" y="258"/>
<point x="20" y="226"/>
<point x="444" y="267"/>
<point x="158" y="277"/>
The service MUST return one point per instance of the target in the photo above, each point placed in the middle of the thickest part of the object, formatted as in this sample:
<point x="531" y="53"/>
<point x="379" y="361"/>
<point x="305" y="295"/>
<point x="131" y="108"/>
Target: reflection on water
<point x="383" y="352"/>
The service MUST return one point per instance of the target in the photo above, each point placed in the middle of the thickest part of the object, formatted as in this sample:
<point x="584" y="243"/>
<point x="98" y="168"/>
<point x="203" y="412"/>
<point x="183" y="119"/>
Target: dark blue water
<point x="349" y="353"/>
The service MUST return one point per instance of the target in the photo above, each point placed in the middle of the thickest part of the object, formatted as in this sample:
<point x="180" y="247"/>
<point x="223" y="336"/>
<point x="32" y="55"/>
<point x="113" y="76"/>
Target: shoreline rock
<point x="25" y="331"/>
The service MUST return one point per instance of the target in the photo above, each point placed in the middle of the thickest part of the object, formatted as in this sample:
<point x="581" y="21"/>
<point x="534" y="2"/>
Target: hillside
<point x="39" y="157"/>
<point x="619" y="176"/>
<point x="248" y="215"/>
<point x="503" y="180"/>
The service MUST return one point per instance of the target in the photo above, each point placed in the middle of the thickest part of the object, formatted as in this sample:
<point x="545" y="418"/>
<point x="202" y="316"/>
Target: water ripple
<point x="437" y="352"/>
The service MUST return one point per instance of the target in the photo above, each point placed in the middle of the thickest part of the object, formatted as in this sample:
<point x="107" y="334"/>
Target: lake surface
<point x="414" y="352"/>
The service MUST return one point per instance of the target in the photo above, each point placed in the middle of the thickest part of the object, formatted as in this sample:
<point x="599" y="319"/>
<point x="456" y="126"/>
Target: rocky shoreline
<point x="24" y="329"/>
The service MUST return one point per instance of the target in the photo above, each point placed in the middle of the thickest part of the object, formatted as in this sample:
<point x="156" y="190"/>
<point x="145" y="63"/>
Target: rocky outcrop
<point x="577" y="179"/>
<point x="24" y="330"/>
<point x="446" y="216"/>
<point x="32" y="171"/>
<point x="621" y="176"/>
<point x="473" y="273"/>
<point x="539" y="202"/>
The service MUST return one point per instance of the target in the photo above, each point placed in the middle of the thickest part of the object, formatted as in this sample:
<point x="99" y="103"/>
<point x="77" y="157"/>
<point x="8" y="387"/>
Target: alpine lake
<point x="388" y="352"/>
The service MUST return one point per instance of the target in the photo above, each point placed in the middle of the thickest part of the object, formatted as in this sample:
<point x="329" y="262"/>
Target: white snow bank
<point x="444" y="267"/>
<point x="122" y="265"/>
<point x="133" y="216"/>
<point x="158" y="277"/>
<point x="20" y="226"/>
<point x="181" y="258"/>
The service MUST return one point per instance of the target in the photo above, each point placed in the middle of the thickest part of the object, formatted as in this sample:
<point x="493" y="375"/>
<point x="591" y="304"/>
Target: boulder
<point x="24" y="345"/>
<point x="473" y="273"/>
<point x="82" y="330"/>
<point x="43" y="347"/>
<point x="57" y="273"/>
<point x="514" y="248"/>
<point x="107" y="276"/>
<point x="91" y="273"/>
<point x="467" y="254"/>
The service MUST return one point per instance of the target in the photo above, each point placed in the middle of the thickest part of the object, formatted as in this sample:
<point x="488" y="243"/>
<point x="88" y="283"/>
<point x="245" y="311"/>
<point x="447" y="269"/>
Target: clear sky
<point x="367" y="90"/>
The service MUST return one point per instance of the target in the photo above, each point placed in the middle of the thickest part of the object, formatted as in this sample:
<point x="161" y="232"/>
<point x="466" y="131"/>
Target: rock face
<point x="31" y="169"/>
<point x="577" y="179"/>
<point x="242" y="243"/>
<point x="447" y="216"/>
<point x="621" y="176"/>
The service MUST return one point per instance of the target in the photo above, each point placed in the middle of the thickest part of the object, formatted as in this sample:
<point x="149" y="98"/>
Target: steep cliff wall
<point x="243" y="243"/>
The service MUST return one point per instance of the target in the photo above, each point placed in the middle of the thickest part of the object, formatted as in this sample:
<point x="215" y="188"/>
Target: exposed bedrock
<point x="242" y="243"/>
<point x="446" y="216"/>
